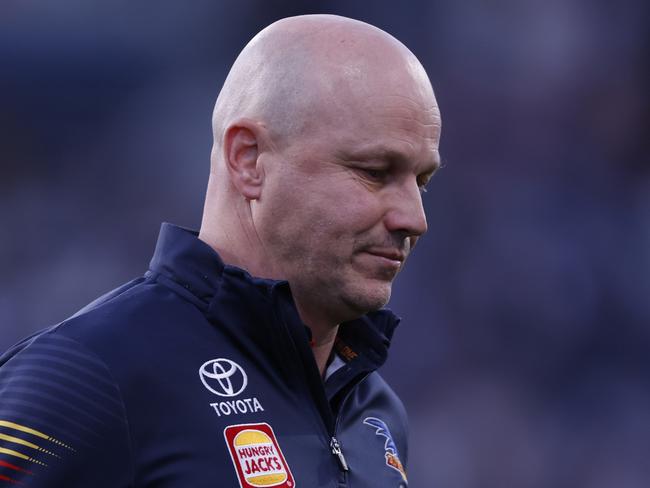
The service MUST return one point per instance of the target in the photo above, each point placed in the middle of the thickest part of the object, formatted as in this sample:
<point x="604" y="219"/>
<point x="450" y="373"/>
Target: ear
<point x="241" y="153"/>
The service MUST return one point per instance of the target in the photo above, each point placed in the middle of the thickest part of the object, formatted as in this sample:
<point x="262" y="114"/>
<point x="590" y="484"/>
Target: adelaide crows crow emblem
<point x="392" y="457"/>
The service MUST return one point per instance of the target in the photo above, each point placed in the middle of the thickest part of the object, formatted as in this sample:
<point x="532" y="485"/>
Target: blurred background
<point x="524" y="353"/>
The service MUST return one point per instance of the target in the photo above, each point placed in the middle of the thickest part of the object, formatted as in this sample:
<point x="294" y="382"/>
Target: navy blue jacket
<point x="198" y="375"/>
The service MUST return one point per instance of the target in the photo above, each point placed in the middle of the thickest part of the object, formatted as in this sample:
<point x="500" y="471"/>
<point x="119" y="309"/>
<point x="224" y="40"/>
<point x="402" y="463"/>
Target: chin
<point x="368" y="299"/>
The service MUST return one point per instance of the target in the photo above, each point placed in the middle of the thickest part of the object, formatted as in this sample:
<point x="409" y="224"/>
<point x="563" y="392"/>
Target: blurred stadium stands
<point x="524" y="354"/>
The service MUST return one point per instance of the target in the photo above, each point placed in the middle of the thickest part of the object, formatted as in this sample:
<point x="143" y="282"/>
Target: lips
<point x="391" y="254"/>
<point x="383" y="263"/>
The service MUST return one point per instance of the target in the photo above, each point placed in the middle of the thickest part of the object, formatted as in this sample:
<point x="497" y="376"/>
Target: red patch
<point x="257" y="457"/>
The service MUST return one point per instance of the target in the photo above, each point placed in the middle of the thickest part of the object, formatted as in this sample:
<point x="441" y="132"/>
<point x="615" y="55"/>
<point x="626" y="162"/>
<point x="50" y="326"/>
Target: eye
<point x="373" y="174"/>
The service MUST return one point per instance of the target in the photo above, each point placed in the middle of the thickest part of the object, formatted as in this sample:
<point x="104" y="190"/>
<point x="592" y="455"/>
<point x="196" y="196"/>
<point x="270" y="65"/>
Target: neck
<point x="322" y="352"/>
<point x="323" y="335"/>
<point x="230" y="232"/>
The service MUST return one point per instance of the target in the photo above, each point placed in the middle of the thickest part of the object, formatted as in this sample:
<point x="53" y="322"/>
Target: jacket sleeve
<point x="62" y="419"/>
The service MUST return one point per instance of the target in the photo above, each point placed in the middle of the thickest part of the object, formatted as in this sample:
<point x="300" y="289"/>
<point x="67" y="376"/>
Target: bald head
<point x="300" y="72"/>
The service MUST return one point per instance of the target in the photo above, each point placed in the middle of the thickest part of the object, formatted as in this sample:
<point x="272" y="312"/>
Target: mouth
<point x="388" y="253"/>
<point x="390" y="260"/>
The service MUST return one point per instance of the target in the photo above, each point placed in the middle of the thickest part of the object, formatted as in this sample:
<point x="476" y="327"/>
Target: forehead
<point x="400" y="114"/>
<point x="391" y="127"/>
<point x="380" y="98"/>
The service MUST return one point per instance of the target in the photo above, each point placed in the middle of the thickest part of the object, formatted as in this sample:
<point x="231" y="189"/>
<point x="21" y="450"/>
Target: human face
<point x="341" y="207"/>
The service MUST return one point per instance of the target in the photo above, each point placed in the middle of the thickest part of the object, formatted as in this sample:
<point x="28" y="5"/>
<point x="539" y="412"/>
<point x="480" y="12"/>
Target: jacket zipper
<point x="334" y="443"/>
<point x="336" y="450"/>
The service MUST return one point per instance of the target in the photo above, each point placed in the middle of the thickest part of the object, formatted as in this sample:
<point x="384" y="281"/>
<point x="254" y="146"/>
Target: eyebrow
<point x="388" y="154"/>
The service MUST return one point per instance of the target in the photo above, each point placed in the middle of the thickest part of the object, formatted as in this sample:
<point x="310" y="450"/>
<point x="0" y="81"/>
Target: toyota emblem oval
<point x="223" y="377"/>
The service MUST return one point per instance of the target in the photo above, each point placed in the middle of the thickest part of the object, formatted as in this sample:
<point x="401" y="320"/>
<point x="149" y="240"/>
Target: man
<point x="246" y="355"/>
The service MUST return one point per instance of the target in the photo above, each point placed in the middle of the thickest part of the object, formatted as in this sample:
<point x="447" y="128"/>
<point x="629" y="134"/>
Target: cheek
<point x="288" y="223"/>
<point x="318" y="215"/>
<point x="339" y="213"/>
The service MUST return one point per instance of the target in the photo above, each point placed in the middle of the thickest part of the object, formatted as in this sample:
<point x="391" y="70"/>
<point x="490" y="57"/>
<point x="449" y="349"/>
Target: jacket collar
<point x="225" y="294"/>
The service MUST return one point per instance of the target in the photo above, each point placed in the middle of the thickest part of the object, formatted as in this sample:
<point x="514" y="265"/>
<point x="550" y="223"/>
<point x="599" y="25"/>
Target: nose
<point x="405" y="212"/>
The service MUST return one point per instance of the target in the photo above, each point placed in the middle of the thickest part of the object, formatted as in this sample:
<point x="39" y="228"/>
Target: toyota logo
<point x="223" y="377"/>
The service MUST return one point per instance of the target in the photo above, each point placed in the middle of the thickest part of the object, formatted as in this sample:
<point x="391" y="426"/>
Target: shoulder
<point x="122" y="326"/>
<point x="102" y="349"/>
<point x="49" y="365"/>
<point x="85" y="385"/>
<point x="60" y="407"/>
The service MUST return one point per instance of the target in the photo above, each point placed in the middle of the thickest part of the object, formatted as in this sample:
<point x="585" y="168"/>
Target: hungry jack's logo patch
<point x="392" y="458"/>
<point x="257" y="457"/>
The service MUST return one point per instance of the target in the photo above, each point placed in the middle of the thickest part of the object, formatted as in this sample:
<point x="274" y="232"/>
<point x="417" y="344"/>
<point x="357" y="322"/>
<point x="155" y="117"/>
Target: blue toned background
<point x="524" y="354"/>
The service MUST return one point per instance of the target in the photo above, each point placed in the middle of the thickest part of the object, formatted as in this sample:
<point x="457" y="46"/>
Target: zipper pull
<point x="336" y="450"/>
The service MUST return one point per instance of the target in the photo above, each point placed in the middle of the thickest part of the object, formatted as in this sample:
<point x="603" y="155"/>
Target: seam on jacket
<point x="108" y="297"/>
<point x="180" y="290"/>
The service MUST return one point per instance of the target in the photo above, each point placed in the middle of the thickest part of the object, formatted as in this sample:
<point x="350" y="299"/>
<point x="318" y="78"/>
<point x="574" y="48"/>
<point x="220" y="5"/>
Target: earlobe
<point x="241" y="153"/>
